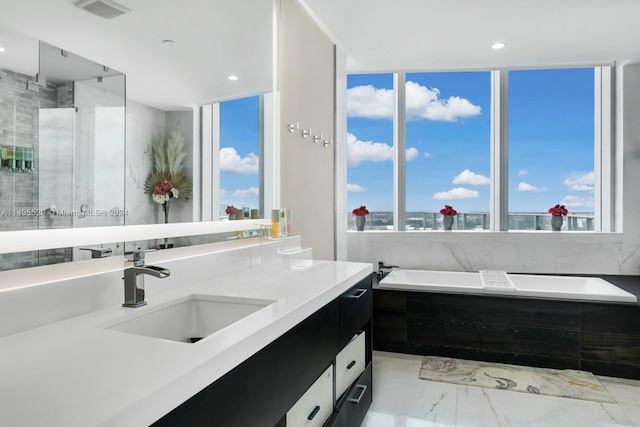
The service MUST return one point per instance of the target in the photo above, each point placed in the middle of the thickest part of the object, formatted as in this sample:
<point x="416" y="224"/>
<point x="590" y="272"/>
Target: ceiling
<point x="215" y="38"/>
<point x="425" y="35"/>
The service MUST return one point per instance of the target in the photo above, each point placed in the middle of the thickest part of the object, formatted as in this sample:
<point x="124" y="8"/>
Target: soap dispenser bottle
<point x="275" y="223"/>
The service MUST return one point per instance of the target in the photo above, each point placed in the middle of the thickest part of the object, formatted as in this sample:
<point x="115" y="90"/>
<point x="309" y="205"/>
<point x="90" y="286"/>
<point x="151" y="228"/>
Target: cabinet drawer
<point x="350" y="363"/>
<point x="316" y="404"/>
<point x="356" y="308"/>
<point x="356" y="402"/>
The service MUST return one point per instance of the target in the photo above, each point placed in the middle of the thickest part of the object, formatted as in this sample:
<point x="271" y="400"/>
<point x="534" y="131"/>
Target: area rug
<point x="525" y="379"/>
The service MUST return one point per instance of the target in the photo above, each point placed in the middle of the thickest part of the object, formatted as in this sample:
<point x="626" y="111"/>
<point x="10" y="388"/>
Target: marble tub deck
<point x="402" y="399"/>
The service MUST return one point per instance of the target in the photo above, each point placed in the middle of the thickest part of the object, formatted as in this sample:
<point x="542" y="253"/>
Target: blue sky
<point x="448" y="147"/>
<point x="239" y="150"/>
<point x="448" y="132"/>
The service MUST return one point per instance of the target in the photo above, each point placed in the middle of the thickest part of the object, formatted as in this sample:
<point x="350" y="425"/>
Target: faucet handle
<point x="98" y="252"/>
<point x="137" y="256"/>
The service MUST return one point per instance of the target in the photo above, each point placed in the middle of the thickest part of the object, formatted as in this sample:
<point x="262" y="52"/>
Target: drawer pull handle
<point x="358" y="294"/>
<point x="362" y="388"/>
<point x="351" y="365"/>
<point x="313" y="413"/>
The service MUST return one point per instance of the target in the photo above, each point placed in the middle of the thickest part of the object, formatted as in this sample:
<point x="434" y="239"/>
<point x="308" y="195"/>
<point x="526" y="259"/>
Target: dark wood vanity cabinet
<point x="261" y="390"/>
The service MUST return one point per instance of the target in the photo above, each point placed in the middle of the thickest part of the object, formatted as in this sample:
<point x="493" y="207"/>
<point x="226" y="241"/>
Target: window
<point x="559" y="148"/>
<point x="370" y="147"/>
<point x="447" y="148"/>
<point x="239" y="145"/>
<point x="551" y="147"/>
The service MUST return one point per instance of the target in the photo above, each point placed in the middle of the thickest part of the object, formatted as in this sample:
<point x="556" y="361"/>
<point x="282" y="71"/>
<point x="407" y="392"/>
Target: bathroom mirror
<point x="80" y="143"/>
<point x="170" y="72"/>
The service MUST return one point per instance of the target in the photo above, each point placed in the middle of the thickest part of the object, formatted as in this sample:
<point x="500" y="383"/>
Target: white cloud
<point x="577" y="202"/>
<point x="523" y="172"/>
<point x="425" y="103"/>
<point x="412" y="154"/>
<point x="523" y="186"/>
<point x="457" y="193"/>
<point x="355" y="188"/>
<point x="370" y="102"/>
<point x="580" y="182"/>
<point x="246" y="193"/>
<point x="422" y="103"/>
<point x="230" y="161"/>
<point x="359" y="151"/>
<point x="471" y="178"/>
<point x="428" y="155"/>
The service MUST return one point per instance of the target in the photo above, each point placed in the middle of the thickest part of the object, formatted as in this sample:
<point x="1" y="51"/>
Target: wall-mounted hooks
<point x="305" y="133"/>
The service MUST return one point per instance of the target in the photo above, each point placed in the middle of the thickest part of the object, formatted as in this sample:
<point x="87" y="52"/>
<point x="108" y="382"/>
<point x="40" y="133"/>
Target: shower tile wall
<point x="19" y="190"/>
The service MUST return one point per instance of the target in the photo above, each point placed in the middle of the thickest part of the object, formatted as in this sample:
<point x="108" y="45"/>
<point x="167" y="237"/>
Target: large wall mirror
<point x="83" y="107"/>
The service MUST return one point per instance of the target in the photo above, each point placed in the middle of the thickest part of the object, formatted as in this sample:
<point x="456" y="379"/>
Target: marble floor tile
<point x="399" y="392"/>
<point x="487" y="407"/>
<point x="627" y="393"/>
<point x="401" y="399"/>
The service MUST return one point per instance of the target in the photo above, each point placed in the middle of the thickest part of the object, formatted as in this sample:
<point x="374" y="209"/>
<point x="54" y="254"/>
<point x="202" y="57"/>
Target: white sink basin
<point x="189" y="319"/>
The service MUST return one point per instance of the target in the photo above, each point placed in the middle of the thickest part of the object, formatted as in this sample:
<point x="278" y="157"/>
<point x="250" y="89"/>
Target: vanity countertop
<point x="76" y="373"/>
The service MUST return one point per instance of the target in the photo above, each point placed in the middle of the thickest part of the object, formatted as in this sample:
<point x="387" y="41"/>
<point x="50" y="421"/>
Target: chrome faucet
<point x="99" y="252"/>
<point x="383" y="270"/>
<point x="134" y="278"/>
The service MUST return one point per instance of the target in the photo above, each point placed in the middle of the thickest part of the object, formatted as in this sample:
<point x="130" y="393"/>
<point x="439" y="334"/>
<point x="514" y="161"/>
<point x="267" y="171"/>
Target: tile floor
<point x="401" y="399"/>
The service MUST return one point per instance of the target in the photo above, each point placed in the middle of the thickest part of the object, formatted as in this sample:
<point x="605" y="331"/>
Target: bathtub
<point x="497" y="282"/>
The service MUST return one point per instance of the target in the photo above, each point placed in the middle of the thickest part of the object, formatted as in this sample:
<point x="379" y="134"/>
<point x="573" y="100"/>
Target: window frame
<point x="604" y="154"/>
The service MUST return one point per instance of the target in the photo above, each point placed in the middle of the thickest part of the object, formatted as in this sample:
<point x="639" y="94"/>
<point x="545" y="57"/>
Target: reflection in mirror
<point x="62" y="149"/>
<point x="81" y="141"/>
<point x="163" y="95"/>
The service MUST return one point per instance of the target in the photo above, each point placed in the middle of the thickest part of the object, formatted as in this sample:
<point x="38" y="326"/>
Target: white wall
<point x="307" y="93"/>
<point x="533" y="252"/>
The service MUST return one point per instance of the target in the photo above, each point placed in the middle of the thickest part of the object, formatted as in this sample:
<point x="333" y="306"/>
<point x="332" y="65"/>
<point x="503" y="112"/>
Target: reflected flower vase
<point x="447" y="221"/>
<point x="556" y="222"/>
<point x="360" y="220"/>
<point x="165" y="244"/>
<point x="165" y="208"/>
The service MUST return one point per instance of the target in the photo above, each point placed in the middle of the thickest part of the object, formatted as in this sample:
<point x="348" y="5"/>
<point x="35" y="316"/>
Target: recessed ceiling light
<point x="232" y="77"/>
<point x="498" y="45"/>
<point x="1" y="49"/>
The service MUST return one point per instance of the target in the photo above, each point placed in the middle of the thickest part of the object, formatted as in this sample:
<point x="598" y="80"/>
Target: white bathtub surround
<point x="498" y="282"/>
<point x="401" y="399"/>
<point x="522" y="252"/>
<point x="77" y="373"/>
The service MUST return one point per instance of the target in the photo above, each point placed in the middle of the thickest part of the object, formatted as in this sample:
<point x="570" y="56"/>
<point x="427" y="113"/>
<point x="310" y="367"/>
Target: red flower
<point x="448" y="210"/>
<point x="231" y="210"/>
<point x="558" y="210"/>
<point x="361" y="211"/>
<point x="163" y="187"/>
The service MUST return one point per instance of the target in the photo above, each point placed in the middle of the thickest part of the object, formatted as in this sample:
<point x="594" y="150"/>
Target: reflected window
<point x="239" y="153"/>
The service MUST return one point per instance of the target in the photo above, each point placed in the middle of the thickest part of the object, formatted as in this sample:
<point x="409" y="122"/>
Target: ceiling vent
<point x="105" y="8"/>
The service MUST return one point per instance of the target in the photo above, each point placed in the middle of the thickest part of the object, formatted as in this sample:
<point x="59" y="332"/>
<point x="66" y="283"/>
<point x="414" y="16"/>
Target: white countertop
<point x="76" y="373"/>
